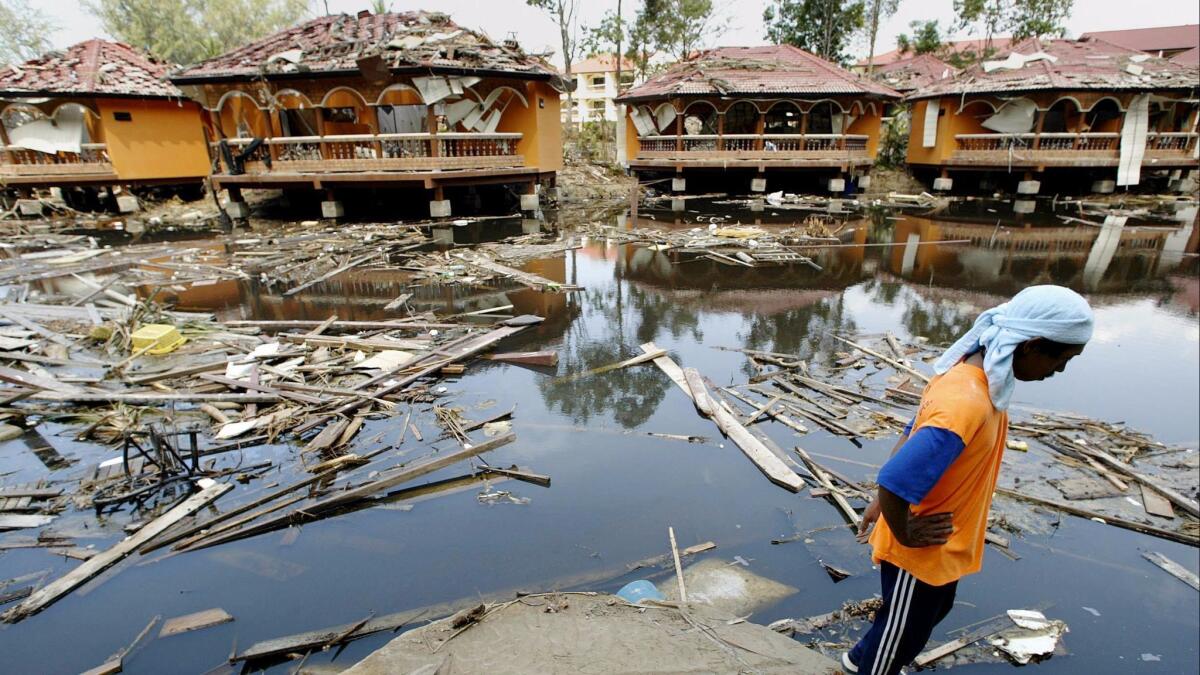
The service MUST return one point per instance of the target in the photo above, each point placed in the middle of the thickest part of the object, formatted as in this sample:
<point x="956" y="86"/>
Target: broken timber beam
<point x="56" y="589"/>
<point x="766" y="461"/>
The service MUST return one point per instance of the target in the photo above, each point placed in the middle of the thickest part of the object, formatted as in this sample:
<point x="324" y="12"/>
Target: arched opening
<point x="820" y="118"/>
<point x="344" y="112"/>
<point x="1104" y="117"/>
<point x="741" y="118"/>
<point x="237" y="115"/>
<point x="700" y="119"/>
<point x="297" y="114"/>
<point x="60" y="137"/>
<point x="783" y="118"/>
<point x="1062" y="117"/>
<point x="664" y="118"/>
<point x="400" y="110"/>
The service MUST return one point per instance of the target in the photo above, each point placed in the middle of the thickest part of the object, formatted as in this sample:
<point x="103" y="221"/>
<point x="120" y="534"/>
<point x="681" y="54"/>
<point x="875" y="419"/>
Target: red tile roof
<point x="953" y="47"/>
<point x="1079" y="65"/>
<point x="1158" y="38"/>
<point x="914" y="73"/>
<point x="755" y="71"/>
<point x="1189" y="58"/>
<point x="94" y="67"/>
<point x="422" y="41"/>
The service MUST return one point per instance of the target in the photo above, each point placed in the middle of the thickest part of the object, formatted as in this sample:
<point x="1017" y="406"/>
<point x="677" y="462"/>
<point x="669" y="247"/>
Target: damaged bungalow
<point x="379" y="101"/>
<point x="1104" y="112"/>
<point x="98" y="114"/>
<point x="911" y="74"/>
<point x="753" y="111"/>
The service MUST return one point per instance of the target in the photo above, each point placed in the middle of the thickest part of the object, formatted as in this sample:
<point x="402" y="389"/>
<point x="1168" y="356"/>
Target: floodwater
<point x="616" y="489"/>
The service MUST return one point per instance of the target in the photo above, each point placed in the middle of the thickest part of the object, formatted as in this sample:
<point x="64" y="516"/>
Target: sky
<point x="536" y="33"/>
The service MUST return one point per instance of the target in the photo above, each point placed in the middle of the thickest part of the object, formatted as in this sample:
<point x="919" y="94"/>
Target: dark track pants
<point x="911" y="608"/>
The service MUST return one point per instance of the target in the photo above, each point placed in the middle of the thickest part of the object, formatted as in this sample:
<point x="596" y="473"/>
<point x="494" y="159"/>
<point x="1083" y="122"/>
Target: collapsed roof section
<point x="1084" y="64"/>
<point x="776" y="70"/>
<point x="91" y="68"/>
<point x="339" y="44"/>
<point x="914" y="73"/>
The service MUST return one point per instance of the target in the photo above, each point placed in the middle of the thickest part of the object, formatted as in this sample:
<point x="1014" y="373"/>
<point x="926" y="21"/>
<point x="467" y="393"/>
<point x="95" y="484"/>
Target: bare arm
<point x="873" y="510"/>
<point x="910" y="530"/>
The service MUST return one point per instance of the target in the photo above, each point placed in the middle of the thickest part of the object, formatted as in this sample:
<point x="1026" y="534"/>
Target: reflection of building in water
<point x="1003" y="260"/>
<point x="362" y="294"/>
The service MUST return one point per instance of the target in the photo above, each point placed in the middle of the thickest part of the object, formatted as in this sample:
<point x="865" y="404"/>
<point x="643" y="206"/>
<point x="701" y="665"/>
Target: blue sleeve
<point x="913" y="471"/>
<point x="908" y="427"/>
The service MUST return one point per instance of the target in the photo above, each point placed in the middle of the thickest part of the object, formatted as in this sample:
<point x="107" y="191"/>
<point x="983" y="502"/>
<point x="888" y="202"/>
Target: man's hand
<point x="868" y="519"/>
<point x="932" y="530"/>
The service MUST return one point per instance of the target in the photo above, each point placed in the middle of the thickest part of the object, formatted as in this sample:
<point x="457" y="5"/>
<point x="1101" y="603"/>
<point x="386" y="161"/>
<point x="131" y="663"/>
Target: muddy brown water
<point x="616" y="489"/>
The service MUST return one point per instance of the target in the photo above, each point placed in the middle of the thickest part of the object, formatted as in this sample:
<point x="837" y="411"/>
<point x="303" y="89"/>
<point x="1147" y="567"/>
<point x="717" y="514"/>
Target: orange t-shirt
<point x="956" y="402"/>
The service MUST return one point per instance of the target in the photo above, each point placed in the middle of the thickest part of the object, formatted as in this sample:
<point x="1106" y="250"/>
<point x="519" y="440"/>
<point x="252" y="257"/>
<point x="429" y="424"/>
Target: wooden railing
<point x="92" y="158"/>
<point x="1064" y="149"/>
<point x="761" y="147"/>
<point x="377" y="152"/>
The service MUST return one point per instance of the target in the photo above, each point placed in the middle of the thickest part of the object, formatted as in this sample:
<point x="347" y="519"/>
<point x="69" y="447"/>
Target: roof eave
<point x="634" y="98"/>
<point x="84" y="94"/>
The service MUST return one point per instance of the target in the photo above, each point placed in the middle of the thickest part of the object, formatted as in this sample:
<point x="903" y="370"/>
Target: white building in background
<point x="597" y="86"/>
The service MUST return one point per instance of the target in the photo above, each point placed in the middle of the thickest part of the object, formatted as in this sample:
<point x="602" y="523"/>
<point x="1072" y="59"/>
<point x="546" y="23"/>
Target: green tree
<point x="186" y="31"/>
<point x="24" y="31"/>
<point x="926" y="38"/>
<point x="1021" y="18"/>
<point x="877" y="10"/>
<point x="683" y="26"/>
<point x="823" y="27"/>
<point x="564" y="14"/>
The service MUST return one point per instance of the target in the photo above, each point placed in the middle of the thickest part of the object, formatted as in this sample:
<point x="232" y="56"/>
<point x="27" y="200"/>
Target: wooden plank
<point x="301" y="642"/>
<point x="323" y="326"/>
<point x="1177" y="499"/>
<point x="194" y="621"/>
<point x="548" y="358"/>
<point x="254" y="386"/>
<point x="823" y="478"/>
<point x="333" y="273"/>
<point x="1156" y="504"/>
<point x="1173" y="568"/>
<point x="27" y="379"/>
<point x="303" y="324"/>
<point x="154" y="398"/>
<point x="766" y="461"/>
<point x="36" y="493"/>
<point x="20" y="522"/>
<point x="985" y="631"/>
<point x="678" y="567"/>
<point x="398" y="302"/>
<point x="177" y="372"/>
<point x="102" y="561"/>
<point x="886" y="359"/>
<point x="1172" y="535"/>
<point x="699" y="393"/>
<point x="386" y="480"/>
<point x="639" y="359"/>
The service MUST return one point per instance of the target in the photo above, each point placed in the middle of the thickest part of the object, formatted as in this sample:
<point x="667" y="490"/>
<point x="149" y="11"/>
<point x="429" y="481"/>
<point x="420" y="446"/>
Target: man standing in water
<point x="936" y="490"/>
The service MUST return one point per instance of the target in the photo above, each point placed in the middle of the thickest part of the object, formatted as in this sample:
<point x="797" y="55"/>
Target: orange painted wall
<point x="539" y="124"/>
<point x="165" y="139"/>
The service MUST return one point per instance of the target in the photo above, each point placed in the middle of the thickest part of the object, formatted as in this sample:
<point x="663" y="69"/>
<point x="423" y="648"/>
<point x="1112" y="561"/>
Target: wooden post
<point x="321" y="132"/>
<point x="760" y="126"/>
<point x="803" y="131"/>
<point x="435" y="147"/>
<point x="721" y="131"/>
<point x="1037" y="132"/>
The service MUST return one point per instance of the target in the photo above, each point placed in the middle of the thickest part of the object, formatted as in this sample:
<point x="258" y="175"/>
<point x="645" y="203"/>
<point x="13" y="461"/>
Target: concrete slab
<point x="127" y="203"/>
<point x="29" y="207"/>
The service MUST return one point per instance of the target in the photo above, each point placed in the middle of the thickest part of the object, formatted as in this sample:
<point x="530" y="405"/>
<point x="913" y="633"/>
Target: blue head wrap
<point x="1050" y="312"/>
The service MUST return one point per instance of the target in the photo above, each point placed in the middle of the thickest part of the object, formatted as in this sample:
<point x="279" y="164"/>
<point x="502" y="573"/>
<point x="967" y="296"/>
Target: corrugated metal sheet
<point x="91" y="67"/>
<point x="1079" y="65"/>
<point x="752" y="71"/>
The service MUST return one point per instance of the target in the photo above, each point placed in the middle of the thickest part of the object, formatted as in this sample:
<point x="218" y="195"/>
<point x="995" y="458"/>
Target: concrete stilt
<point x="1029" y="187"/>
<point x="1104" y="187"/>
<point x="943" y="184"/>
<point x="1024" y="205"/>
<point x="29" y="207"/>
<point x="758" y="184"/>
<point x="530" y="226"/>
<point x="332" y="209"/>
<point x="439" y="208"/>
<point x="837" y="184"/>
<point x="678" y="184"/>
<point x="864" y="181"/>
<point x="678" y="204"/>
<point x="127" y="203"/>
<point x="443" y="235"/>
<point x="530" y="202"/>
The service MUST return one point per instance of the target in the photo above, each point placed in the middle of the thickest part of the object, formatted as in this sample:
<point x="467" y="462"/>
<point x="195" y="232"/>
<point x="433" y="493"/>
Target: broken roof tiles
<point x="95" y="67"/>
<point x="755" y="71"/>
<point x="1067" y="65"/>
<point x="334" y="44"/>
<point x="914" y="73"/>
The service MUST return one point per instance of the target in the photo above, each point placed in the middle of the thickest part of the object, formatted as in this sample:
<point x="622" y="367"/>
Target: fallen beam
<point x="762" y="457"/>
<point x="210" y="490"/>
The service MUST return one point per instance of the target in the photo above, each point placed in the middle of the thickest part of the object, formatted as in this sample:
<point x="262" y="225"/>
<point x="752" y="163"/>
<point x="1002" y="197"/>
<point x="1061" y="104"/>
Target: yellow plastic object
<point x="157" y="338"/>
<point x="739" y="232"/>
